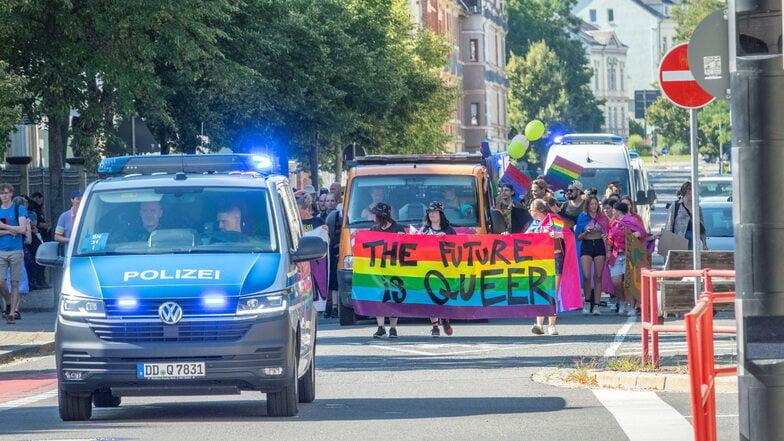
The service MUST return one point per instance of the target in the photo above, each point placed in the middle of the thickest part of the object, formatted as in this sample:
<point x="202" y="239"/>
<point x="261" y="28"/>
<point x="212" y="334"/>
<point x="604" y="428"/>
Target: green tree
<point x="11" y="96"/>
<point x="671" y="121"/>
<point x="636" y="128"/>
<point x="531" y="21"/>
<point x="688" y="14"/>
<point x="714" y="122"/>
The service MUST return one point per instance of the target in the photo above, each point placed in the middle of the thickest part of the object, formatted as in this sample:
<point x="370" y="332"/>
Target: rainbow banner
<point x="561" y="172"/>
<point x="455" y="276"/>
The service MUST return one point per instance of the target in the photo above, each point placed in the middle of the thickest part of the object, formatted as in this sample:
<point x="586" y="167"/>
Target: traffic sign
<point x="709" y="54"/>
<point x="677" y="82"/>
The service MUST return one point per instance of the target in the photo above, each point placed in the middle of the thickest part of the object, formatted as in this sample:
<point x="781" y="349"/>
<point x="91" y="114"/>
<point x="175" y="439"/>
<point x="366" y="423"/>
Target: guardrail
<point x="702" y="370"/>
<point x="652" y="323"/>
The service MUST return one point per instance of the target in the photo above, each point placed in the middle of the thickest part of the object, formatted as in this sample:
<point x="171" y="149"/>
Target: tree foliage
<point x="280" y="72"/>
<point x="11" y="96"/>
<point x="532" y="21"/>
<point x="689" y="14"/>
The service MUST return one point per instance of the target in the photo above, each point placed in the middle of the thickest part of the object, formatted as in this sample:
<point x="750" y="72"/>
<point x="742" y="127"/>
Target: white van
<point x="605" y="160"/>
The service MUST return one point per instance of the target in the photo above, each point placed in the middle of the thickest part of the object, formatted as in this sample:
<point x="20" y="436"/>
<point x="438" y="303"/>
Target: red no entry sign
<point x="677" y="82"/>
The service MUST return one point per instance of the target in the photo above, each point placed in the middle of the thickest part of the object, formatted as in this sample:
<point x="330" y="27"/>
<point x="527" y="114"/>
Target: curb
<point x="667" y="382"/>
<point x="25" y="351"/>
<point x="642" y="381"/>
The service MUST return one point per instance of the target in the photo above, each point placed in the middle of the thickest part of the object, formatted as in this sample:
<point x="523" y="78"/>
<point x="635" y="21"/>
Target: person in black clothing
<point x="435" y="222"/>
<point x="384" y="223"/>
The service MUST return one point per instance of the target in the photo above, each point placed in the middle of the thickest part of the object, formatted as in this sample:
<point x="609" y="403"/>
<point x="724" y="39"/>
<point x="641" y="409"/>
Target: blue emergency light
<point x="218" y="163"/>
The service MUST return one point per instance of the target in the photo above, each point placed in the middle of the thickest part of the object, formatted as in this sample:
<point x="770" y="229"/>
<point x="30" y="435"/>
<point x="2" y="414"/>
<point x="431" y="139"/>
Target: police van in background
<point x="605" y="160"/>
<point x="185" y="275"/>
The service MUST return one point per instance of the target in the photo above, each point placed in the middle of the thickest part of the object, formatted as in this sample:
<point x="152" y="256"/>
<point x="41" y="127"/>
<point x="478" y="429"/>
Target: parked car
<point x="717" y="216"/>
<point x="716" y="186"/>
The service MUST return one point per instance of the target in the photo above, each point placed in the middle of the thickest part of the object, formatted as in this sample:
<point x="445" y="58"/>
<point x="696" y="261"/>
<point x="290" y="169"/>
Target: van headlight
<point x="348" y="263"/>
<point x="77" y="306"/>
<point x="265" y="304"/>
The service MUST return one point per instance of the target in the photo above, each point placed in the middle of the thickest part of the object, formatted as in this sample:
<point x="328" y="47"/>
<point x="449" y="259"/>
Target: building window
<point x="473" y="49"/>
<point x="592" y="15"/>
<point x="623" y="121"/>
<point x="596" y="75"/>
<point x="474" y="114"/>
<point x="611" y="64"/>
<point x="497" y="55"/>
<point x="610" y="15"/>
<point x="664" y="44"/>
<point x="621" y="67"/>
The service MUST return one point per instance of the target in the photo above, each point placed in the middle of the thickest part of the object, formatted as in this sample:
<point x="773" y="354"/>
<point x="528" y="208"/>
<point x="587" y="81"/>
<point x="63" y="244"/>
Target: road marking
<point x="27" y="400"/>
<point x="620" y="336"/>
<point x="643" y="416"/>
<point x="433" y="354"/>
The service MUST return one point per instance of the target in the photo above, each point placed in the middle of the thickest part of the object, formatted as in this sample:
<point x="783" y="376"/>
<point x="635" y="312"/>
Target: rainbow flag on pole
<point x="519" y="180"/>
<point x="561" y="172"/>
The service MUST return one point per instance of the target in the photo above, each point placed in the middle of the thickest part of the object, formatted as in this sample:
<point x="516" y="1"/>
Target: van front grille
<point x="185" y="331"/>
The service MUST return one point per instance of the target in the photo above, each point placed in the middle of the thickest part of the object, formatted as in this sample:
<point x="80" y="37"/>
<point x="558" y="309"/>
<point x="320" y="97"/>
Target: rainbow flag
<point x="517" y="179"/>
<point x="562" y="172"/>
<point x="555" y="223"/>
<point x="460" y="277"/>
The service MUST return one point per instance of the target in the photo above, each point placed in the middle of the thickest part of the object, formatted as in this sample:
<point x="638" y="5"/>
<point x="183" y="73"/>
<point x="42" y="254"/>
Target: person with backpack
<point x="679" y="217"/>
<point x="13" y="226"/>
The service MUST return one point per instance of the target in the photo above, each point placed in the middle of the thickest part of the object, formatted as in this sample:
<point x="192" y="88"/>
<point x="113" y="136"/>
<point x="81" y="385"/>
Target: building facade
<point x="476" y="31"/>
<point x="644" y="26"/>
<point x="607" y="56"/>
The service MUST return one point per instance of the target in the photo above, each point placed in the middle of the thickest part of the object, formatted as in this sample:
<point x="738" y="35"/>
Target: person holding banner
<point x="591" y="226"/>
<point x="436" y="223"/>
<point x="616" y="241"/>
<point x="546" y="221"/>
<point x="384" y="223"/>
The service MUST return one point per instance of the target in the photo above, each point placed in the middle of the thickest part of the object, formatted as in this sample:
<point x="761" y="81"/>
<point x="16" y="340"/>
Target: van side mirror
<point x="310" y="248"/>
<point x="642" y="199"/>
<point x="497" y="222"/>
<point x="651" y="196"/>
<point x="50" y="254"/>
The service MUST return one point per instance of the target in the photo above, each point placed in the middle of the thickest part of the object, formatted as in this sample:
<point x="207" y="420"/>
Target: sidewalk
<point x="33" y="334"/>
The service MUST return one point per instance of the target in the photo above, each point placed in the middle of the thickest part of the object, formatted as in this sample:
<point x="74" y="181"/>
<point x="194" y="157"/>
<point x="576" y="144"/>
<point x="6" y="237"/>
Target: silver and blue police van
<point x="185" y="275"/>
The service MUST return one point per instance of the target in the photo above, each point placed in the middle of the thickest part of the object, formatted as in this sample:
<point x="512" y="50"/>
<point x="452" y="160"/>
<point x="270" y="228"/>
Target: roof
<point x="647" y="5"/>
<point x="391" y="169"/>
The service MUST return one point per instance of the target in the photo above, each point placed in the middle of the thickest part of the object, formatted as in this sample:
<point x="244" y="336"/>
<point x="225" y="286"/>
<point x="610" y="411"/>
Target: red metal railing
<point x="702" y="370"/>
<point x="649" y="309"/>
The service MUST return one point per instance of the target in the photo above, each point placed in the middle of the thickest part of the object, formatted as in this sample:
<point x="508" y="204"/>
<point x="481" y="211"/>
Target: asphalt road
<point x="475" y="385"/>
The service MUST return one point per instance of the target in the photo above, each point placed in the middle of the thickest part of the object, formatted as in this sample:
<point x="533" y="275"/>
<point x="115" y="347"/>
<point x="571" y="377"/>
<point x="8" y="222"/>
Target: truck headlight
<point x="77" y="306"/>
<point x="266" y="304"/>
<point x="348" y="263"/>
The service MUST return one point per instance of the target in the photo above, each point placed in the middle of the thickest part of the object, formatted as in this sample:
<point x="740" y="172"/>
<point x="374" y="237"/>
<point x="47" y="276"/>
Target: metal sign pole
<point x="695" y="200"/>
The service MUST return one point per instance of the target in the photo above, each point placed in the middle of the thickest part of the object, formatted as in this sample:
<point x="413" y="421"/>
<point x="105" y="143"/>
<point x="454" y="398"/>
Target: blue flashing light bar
<point x="219" y="163"/>
<point x="590" y="138"/>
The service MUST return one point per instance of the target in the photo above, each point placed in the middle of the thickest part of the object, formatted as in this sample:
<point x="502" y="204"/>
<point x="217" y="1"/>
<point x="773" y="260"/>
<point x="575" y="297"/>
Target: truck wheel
<point x="284" y="403"/>
<point x="307" y="384"/>
<point x="347" y="316"/>
<point x="106" y="399"/>
<point x="74" y="408"/>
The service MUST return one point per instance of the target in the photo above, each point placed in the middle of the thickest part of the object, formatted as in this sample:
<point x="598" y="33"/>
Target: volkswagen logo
<point x="170" y="313"/>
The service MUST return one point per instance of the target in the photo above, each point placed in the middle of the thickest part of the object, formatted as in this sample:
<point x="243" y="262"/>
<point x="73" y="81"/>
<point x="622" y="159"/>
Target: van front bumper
<point x="344" y="287"/>
<point x="238" y="354"/>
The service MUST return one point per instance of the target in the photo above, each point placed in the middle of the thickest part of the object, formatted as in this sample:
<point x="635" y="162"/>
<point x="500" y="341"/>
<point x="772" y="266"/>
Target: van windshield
<point x="409" y="195"/>
<point x="176" y="220"/>
<point x="600" y="178"/>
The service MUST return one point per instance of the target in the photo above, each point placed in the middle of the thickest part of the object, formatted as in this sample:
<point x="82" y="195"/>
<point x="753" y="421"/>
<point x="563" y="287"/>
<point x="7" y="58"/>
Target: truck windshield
<point x="176" y="220"/>
<point x="409" y="195"/>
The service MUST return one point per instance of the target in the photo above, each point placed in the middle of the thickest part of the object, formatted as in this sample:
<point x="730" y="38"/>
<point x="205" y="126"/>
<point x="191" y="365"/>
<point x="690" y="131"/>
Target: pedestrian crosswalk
<point x="673" y="344"/>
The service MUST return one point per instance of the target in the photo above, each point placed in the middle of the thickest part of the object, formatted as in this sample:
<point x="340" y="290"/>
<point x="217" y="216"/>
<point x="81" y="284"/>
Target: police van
<point x="185" y="275"/>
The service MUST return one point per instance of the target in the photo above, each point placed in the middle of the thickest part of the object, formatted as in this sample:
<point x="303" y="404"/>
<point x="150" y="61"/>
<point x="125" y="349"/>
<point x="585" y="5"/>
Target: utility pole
<point x="757" y="109"/>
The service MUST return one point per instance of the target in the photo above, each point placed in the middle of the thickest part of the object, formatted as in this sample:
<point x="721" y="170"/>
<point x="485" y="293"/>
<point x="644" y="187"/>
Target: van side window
<point x="291" y="223"/>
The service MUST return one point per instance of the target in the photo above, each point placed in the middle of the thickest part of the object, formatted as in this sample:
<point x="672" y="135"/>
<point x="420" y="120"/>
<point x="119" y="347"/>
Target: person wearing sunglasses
<point x="436" y="223"/>
<point x="574" y="205"/>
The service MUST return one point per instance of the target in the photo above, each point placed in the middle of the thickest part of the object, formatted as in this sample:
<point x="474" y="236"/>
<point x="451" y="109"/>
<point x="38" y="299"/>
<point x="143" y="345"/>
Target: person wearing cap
<point x="13" y="226"/>
<point x="383" y="223"/>
<point x="62" y="232"/>
<point x="574" y="205"/>
<point x="435" y="222"/>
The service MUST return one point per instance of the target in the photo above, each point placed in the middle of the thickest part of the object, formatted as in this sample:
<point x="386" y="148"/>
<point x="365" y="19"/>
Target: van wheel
<point x="307" y="384"/>
<point x="285" y="402"/>
<point x="347" y="316"/>
<point x="73" y="407"/>
<point x="105" y="399"/>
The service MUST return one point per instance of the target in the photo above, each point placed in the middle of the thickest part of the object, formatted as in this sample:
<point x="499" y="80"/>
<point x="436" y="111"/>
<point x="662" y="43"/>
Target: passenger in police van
<point x="150" y="214"/>
<point x="229" y="225"/>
